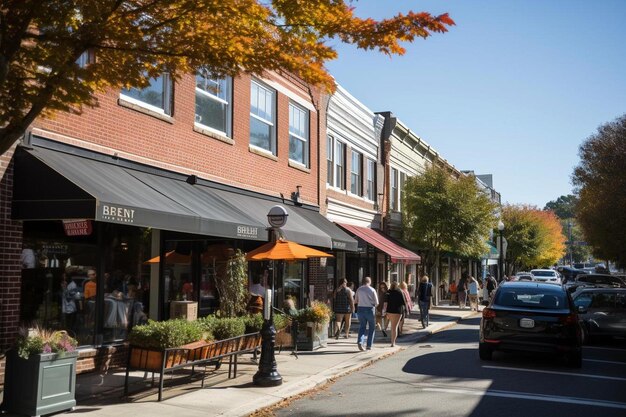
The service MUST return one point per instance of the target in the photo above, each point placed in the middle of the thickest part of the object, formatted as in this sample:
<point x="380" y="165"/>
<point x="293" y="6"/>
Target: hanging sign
<point x="79" y="227"/>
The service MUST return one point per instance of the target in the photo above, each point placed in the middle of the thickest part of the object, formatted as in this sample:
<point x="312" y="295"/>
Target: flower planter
<point x="312" y="336"/>
<point x="42" y="384"/>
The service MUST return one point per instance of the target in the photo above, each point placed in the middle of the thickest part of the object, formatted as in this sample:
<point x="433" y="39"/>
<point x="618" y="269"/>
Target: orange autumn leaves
<point x="535" y="237"/>
<point x="133" y="40"/>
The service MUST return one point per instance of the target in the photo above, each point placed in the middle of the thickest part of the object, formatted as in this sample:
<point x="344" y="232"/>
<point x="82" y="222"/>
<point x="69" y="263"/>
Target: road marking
<point x="602" y="348"/>
<point x="506" y="368"/>
<point x="601" y="361"/>
<point x="534" y="397"/>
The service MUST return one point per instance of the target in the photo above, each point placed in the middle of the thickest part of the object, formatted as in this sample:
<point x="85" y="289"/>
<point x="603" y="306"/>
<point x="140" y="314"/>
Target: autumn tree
<point x="600" y="181"/>
<point x="441" y="213"/>
<point x="535" y="237"/>
<point x="565" y="209"/>
<point x="126" y="42"/>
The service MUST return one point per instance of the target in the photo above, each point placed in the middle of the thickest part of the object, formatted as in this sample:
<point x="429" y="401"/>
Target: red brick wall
<point x="175" y="142"/>
<point x="10" y="251"/>
<point x="318" y="277"/>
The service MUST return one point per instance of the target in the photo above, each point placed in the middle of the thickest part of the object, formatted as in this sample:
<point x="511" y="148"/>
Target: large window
<point x="371" y="180"/>
<point x="156" y="96"/>
<point x="401" y="190"/>
<point x="394" y="189"/>
<point x="213" y="102"/>
<point x="298" y="134"/>
<point x="262" y="117"/>
<point x="356" y="173"/>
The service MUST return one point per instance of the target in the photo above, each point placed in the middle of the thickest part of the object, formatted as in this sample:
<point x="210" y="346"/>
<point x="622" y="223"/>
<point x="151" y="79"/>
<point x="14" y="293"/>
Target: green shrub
<point x="166" y="334"/>
<point x="281" y="321"/>
<point x="227" y="327"/>
<point x="254" y="322"/>
<point x="317" y="313"/>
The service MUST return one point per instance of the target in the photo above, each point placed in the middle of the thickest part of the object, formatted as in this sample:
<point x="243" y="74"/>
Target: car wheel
<point x="485" y="352"/>
<point x="575" y="359"/>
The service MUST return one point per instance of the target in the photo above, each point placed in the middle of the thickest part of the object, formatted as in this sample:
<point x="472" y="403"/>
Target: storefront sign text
<point x="339" y="245"/>
<point x="118" y="214"/>
<point x="77" y="227"/>
<point x="248" y="231"/>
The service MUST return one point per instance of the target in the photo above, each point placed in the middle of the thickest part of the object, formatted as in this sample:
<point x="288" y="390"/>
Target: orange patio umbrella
<point x="171" y="257"/>
<point x="284" y="250"/>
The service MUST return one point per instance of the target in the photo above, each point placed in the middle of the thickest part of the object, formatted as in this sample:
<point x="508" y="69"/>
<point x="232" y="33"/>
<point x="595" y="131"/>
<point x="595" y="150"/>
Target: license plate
<point x="527" y="323"/>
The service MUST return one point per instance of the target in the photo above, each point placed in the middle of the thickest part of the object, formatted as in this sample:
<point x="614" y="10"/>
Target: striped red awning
<point x="381" y="242"/>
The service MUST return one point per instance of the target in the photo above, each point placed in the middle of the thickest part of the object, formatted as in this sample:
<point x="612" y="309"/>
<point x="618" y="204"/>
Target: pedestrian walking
<point x="394" y="307"/>
<point x="409" y="306"/>
<point x="453" y="293"/>
<point x="367" y="300"/>
<point x="472" y="290"/>
<point x="491" y="286"/>
<point x="424" y="298"/>
<point x="381" y="321"/>
<point x="461" y="290"/>
<point x="343" y="306"/>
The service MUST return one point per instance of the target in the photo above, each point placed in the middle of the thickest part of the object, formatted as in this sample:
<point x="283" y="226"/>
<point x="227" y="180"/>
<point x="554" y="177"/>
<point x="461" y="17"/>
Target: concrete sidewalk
<point x="100" y="395"/>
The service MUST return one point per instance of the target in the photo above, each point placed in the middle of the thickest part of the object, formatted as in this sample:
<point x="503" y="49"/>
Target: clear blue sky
<point x="512" y="90"/>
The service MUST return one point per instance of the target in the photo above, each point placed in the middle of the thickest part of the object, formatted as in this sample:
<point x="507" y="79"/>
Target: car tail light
<point x="569" y="319"/>
<point x="489" y="313"/>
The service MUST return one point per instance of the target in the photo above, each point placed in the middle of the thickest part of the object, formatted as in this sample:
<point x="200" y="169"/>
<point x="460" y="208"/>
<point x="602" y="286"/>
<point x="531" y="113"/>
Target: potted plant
<point x="40" y="375"/>
<point x="150" y="340"/>
<point x="313" y="326"/>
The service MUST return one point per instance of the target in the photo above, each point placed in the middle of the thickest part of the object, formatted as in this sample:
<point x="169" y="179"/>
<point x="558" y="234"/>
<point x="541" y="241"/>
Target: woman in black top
<point x="394" y="306"/>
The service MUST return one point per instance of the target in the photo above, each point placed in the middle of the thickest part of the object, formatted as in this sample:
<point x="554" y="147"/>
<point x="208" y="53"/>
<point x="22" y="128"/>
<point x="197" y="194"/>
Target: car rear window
<point x="531" y="298"/>
<point x="543" y="273"/>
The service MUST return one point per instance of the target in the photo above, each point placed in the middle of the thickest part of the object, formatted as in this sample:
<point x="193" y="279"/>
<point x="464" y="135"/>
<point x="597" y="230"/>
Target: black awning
<point x="50" y="184"/>
<point x="69" y="183"/>
<point x="339" y="238"/>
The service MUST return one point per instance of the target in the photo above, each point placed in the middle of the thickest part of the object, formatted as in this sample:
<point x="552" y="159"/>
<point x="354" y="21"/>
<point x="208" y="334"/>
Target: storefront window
<point x="293" y="281"/>
<point x="60" y="278"/>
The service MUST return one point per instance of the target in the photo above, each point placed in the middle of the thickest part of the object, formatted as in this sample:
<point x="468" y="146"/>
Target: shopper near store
<point x="343" y="306"/>
<point x="424" y="299"/>
<point x="461" y="290"/>
<point x="472" y="291"/>
<point x="394" y="307"/>
<point x="90" y="286"/>
<point x="69" y="296"/>
<point x="256" y="288"/>
<point x="409" y="306"/>
<point x="381" y="321"/>
<point x="367" y="300"/>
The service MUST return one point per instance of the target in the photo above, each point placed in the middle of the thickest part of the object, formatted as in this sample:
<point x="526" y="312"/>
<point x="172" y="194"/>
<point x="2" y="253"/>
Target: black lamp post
<point x="500" y="229"/>
<point x="267" y="375"/>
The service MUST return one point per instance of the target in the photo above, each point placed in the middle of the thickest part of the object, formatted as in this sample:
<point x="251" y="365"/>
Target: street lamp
<point x="267" y="375"/>
<point x="500" y="229"/>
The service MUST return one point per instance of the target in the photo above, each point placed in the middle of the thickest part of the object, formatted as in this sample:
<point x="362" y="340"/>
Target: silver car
<point x="549" y="276"/>
<point x="602" y="311"/>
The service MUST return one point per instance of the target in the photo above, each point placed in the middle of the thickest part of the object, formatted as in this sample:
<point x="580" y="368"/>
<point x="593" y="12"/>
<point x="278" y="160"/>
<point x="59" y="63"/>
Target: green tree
<point x="564" y="206"/>
<point x="232" y="285"/>
<point x="600" y="182"/>
<point x="441" y="213"/>
<point x="134" y="40"/>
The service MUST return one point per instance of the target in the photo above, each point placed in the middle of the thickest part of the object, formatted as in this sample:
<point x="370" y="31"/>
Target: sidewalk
<point x="100" y="395"/>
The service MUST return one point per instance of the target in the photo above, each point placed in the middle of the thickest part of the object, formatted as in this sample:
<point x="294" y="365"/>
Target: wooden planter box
<point x="312" y="336"/>
<point x="41" y="384"/>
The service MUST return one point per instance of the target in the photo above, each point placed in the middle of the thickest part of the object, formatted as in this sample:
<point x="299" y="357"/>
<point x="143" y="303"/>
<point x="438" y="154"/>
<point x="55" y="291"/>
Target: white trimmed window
<point x="394" y="189"/>
<point x="262" y="117"/>
<point x="356" y="173"/>
<point x="370" y="190"/>
<point x="401" y="190"/>
<point x="330" y="160"/>
<point x="157" y="96"/>
<point x="213" y="102"/>
<point x="340" y="165"/>
<point x="298" y="134"/>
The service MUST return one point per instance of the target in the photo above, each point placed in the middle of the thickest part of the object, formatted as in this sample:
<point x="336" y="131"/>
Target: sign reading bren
<point x="117" y="214"/>
<point x="79" y="227"/>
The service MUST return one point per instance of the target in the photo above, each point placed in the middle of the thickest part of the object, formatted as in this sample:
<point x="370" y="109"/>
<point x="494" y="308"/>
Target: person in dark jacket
<point x="343" y="307"/>
<point x="424" y="298"/>
<point x="393" y="308"/>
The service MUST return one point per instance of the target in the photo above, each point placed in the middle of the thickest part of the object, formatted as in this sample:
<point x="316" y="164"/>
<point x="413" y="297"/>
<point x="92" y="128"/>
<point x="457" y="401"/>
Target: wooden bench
<point x="203" y="354"/>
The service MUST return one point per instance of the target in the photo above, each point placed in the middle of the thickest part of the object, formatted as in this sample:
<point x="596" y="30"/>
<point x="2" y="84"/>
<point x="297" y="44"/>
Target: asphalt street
<point x="444" y="377"/>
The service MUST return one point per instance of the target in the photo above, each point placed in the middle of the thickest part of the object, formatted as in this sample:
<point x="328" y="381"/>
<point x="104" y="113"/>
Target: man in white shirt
<point x="367" y="300"/>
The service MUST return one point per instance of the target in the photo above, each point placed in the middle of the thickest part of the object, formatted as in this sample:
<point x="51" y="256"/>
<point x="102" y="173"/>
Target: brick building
<point x="132" y="208"/>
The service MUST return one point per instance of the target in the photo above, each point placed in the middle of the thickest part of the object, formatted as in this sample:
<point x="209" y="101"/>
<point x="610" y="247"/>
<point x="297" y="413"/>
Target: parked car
<point x="525" y="277"/>
<point x="546" y="275"/>
<point x="531" y="317"/>
<point x="602" y="311"/>
<point x="568" y="273"/>
<point x="596" y="280"/>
